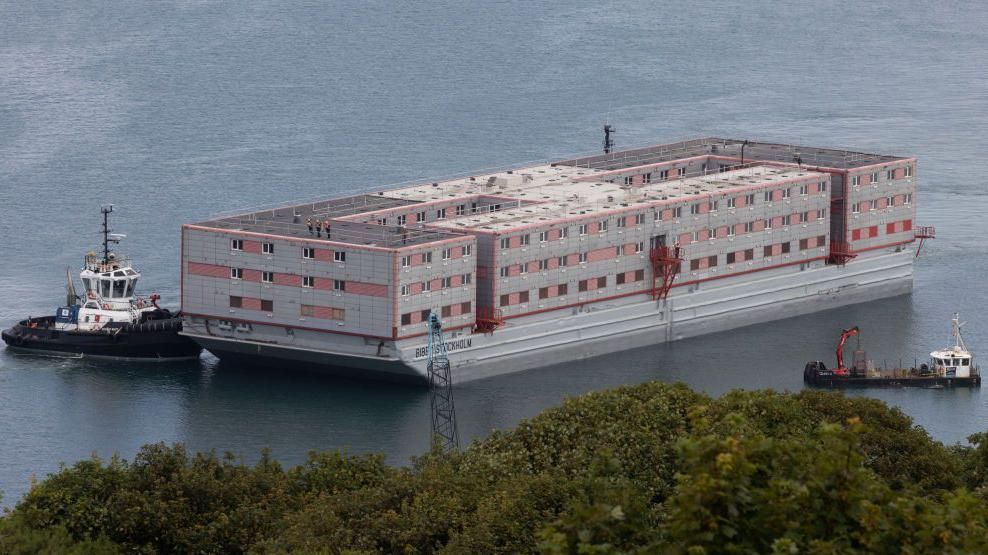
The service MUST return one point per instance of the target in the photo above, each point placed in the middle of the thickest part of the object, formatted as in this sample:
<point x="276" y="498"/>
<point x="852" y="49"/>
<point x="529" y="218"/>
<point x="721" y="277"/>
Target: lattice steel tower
<point x="444" y="434"/>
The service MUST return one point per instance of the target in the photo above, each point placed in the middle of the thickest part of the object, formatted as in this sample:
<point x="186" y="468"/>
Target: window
<point x="406" y="319"/>
<point x="563" y="232"/>
<point x="804" y="244"/>
<point x="505" y="300"/>
<point x="787" y="192"/>
<point x="908" y="171"/>
<point x="694" y="209"/>
<point x="543" y="264"/>
<point x="236" y="302"/>
<point x="523" y="297"/>
<point x="908" y="199"/>
<point x="889" y="201"/>
<point x="467" y="250"/>
<point x="237" y="244"/>
<point x="647" y="177"/>
<point x="402" y="219"/>
<point x="267" y="305"/>
<point x="563" y="261"/>
<point x="426" y="286"/>
<point x="447" y="282"/>
<point x="681" y="172"/>
<point x="337" y="314"/>
<point x="465" y="307"/>
<point x="768" y="223"/>
<point x="619" y="279"/>
<point x="447" y="253"/>
<point x="420" y="217"/>
<point x="768" y="196"/>
<point x="236" y="273"/>
<point x="427" y="257"/>
<point x="663" y="175"/>
<point x="628" y="180"/>
<point x="581" y="286"/>
<point x="823" y="187"/>
<point x="855" y="180"/>
<point x="405" y="290"/>
<point x="602" y="226"/>
<point x="873" y="204"/>
<point x="712" y="206"/>
<point x="639" y="275"/>
<point x="695" y="237"/>
<point x="308" y="281"/>
<point x="308" y="252"/>
<point x="730" y="231"/>
<point x="460" y="209"/>
<point x="339" y="256"/>
<point x="804" y="217"/>
<point x="639" y="246"/>
<point x="621" y="222"/>
<point x="694" y="265"/>
<point x="711" y="233"/>
<point x="467" y="279"/>
<point x="804" y="189"/>
<point x="382" y="221"/>
<point x="855" y="208"/>
<point x="523" y="268"/>
<point x="731" y="257"/>
<point x="267" y="277"/>
<point x="712" y="261"/>
<point x="767" y="251"/>
<point x="543" y="293"/>
<point x="785" y="247"/>
<point x="562" y="289"/>
<point x="732" y="202"/>
<point x="639" y="219"/>
<point x="543" y="236"/>
<point x="505" y="271"/>
<point x="584" y="228"/>
<point x="339" y="285"/>
<point x="677" y="212"/>
<point x="307" y="310"/>
<point x="441" y="214"/>
<point x="619" y="250"/>
<point x="786" y="220"/>
<point x="874" y="177"/>
<point x="749" y="199"/>
<point x="406" y="261"/>
<point x="526" y="240"/>
<point x="749" y="254"/>
<point x="601" y="282"/>
<point x="505" y="242"/>
<point x="446" y="311"/>
<point x="889" y="175"/>
<point x="821" y="214"/>
<point x="749" y="227"/>
<point x="267" y="248"/>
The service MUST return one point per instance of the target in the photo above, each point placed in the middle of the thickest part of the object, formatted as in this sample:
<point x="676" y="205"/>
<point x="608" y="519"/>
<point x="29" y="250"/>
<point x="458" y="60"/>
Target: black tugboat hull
<point x="155" y="340"/>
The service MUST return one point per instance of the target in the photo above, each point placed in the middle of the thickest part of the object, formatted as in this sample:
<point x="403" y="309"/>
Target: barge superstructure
<point x="552" y="262"/>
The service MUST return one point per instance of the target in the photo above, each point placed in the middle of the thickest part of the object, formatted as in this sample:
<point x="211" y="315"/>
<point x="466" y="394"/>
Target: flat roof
<point x="544" y="192"/>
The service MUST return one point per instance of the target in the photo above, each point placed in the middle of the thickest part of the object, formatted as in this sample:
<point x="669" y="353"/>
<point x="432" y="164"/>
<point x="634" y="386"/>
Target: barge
<point x="948" y="367"/>
<point x="551" y="262"/>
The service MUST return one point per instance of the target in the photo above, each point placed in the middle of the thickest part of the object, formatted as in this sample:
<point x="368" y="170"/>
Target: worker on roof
<point x="308" y="223"/>
<point x="318" y="228"/>
<point x="325" y="226"/>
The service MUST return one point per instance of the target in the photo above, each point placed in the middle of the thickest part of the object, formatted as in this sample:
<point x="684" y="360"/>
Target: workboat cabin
<point x="956" y="361"/>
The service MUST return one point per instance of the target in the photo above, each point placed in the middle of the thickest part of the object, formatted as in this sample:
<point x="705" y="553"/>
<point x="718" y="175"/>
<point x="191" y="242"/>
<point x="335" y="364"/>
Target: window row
<point x="440" y="213"/>
<point x="565" y="260"/>
<point x="768" y="251"/>
<point x="426" y="257"/>
<point x="268" y="248"/>
<point x="446" y="311"/>
<point x="890" y="175"/>
<point x="447" y="282"/>
<point x="872" y="231"/>
<point x="768" y="224"/>
<point x="307" y="281"/>
<point x="882" y="203"/>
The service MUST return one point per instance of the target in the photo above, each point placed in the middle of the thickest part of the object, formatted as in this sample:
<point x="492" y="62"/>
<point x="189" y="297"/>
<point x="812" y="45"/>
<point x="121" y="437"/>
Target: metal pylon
<point x="444" y="434"/>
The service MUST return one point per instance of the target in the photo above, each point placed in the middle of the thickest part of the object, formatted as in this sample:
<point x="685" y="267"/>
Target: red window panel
<point x="856" y="235"/>
<point x="907" y="225"/>
<point x="890" y="228"/>
<point x="873" y="231"/>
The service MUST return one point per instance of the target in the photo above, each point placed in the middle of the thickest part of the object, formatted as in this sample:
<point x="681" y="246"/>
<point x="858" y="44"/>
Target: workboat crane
<point x="444" y="434"/>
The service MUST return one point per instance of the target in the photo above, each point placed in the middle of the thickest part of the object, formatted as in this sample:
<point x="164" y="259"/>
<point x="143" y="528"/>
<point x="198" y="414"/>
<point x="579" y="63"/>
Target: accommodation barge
<point x="552" y="262"/>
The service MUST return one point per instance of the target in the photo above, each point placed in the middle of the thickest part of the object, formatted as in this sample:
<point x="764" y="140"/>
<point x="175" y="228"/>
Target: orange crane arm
<point x="840" y="348"/>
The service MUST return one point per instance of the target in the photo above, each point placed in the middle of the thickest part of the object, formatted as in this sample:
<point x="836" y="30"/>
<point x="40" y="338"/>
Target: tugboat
<point x="110" y="320"/>
<point x="949" y="367"/>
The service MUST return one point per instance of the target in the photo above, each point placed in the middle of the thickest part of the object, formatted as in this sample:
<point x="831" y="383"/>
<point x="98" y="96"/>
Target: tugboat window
<point x="119" y="288"/>
<point x="104" y="285"/>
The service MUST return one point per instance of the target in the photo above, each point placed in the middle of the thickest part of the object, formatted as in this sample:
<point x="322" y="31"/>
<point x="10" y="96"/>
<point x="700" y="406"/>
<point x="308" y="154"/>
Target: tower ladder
<point x="444" y="434"/>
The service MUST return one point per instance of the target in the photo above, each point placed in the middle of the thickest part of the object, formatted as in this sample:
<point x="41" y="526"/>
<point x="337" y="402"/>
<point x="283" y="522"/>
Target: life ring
<point x="18" y="340"/>
<point x="97" y="318"/>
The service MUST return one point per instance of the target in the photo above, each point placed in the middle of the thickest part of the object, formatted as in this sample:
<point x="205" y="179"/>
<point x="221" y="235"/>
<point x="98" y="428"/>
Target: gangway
<point x="666" y="263"/>
<point x="444" y="434"/>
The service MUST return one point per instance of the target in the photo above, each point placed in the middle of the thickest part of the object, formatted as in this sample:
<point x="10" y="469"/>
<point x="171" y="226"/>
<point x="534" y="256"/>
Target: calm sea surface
<point x="175" y="110"/>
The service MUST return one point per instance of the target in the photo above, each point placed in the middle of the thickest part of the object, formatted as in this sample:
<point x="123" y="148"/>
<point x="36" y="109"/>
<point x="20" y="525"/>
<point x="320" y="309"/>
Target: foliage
<point x="639" y="469"/>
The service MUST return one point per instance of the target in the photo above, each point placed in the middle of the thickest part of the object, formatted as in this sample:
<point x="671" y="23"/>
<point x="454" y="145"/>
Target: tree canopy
<point x="651" y="468"/>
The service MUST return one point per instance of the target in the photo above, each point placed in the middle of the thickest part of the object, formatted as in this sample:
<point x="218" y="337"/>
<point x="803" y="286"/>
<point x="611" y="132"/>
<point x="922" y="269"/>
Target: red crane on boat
<point x="844" y="335"/>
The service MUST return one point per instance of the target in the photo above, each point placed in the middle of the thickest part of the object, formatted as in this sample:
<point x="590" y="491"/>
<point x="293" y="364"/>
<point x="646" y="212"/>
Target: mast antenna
<point x="608" y="141"/>
<point x="444" y="434"/>
<point x="107" y="236"/>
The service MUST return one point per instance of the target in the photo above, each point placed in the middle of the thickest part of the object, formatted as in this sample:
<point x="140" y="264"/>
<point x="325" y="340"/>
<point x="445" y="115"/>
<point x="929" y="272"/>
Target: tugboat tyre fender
<point x="18" y="340"/>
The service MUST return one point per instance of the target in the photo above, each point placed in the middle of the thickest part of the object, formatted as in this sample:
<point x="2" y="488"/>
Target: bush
<point x="647" y="468"/>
